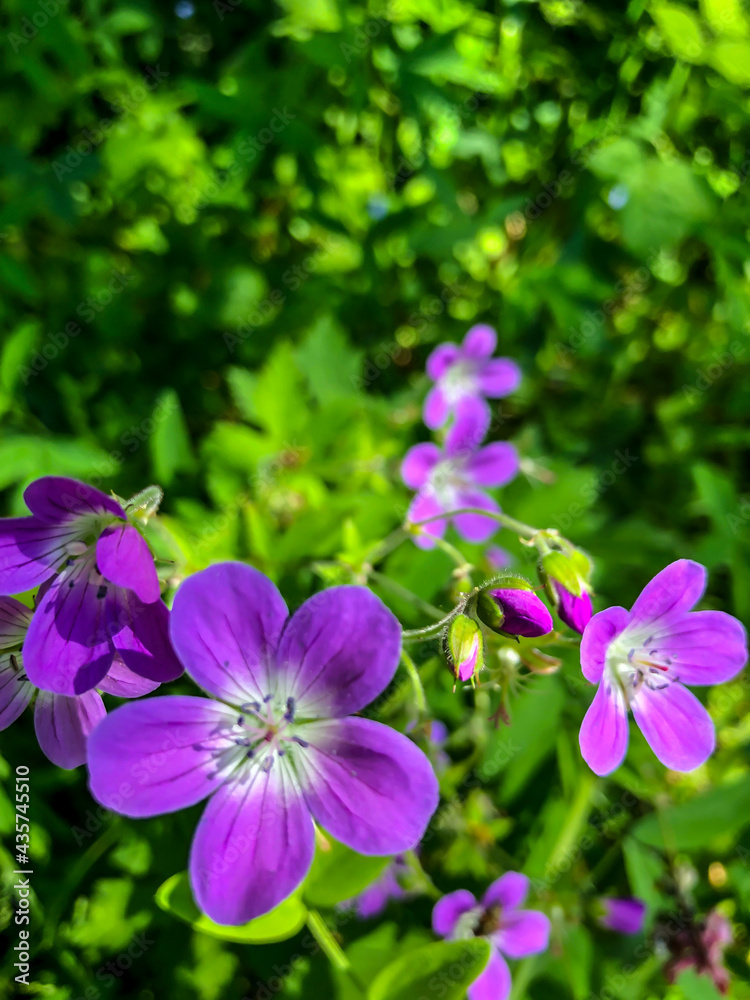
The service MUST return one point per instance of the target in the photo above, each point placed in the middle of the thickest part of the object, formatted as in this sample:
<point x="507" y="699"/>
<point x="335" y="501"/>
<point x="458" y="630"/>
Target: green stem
<point x="525" y="530"/>
<point x="462" y="563"/>
<point x="431" y="630"/>
<point x="384" y="548"/>
<point x="411" y="669"/>
<point x="405" y="594"/>
<point x="331" y="948"/>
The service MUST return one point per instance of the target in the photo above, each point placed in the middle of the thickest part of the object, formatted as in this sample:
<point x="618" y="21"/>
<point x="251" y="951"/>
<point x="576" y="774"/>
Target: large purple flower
<point x="278" y="747"/>
<point x="453" y="480"/>
<point x="512" y="931"/>
<point x="642" y="658"/>
<point x="99" y="593"/>
<point x="62" y="724"/>
<point x="464" y="376"/>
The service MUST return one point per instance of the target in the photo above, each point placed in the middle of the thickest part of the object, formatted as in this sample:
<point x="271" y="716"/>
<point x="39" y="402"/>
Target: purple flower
<point x="374" y="899"/>
<point x="625" y="916"/>
<point x="641" y="659"/>
<point x="464" y="376"/>
<point x="62" y="724"/>
<point x="99" y="593"/>
<point x="453" y="480"/>
<point x="277" y="747"/>
<point x="498" y="557"/>
<point x="515" y="611"/>
<point x="574" y="611"/>
<point x="513" y="932"/>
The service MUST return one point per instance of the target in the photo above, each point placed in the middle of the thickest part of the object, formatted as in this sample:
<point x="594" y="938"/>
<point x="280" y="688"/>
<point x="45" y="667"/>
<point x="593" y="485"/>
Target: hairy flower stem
<point x="524" y="530"/>
<point x="430" y="631"/>
<point x="419" y="695"/>
<point x="407" y="595"/>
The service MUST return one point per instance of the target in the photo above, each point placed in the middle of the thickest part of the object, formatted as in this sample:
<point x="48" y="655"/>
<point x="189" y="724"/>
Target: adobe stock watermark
<point x="34" y="22"/>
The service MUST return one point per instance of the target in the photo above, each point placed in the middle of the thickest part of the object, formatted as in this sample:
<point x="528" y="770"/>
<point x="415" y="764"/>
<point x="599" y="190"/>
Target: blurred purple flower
<point x="625" y="916"/>
<point x="498" y="557"/>
<point x="642" y="658"/>
<point x="574" y="611"/>
<point x="513" y="932"/>
<point x="374" y="899"/>
<point x="278" y="746"/>
<point x="99" y="594"/>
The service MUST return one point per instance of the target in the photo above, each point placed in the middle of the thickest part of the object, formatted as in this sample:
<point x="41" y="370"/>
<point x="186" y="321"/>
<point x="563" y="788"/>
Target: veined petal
<point x="475" y="527"/>
<point x="677" y="727"/>
<point x="140" y="634"/>
<point x="706" y="647"/>
<point x="449" y="910"/>
<point x="479" y="342"/>
<point x="601" y="630"/>
<point x="508" y="892"/>
<point x="30" y="552"/>
<point x="368" y="785"/>
<point x="604" y="732"/>
<point x="225" y="626"/>
<point x="56" y="499"/>
<point x="253" y="846"/>
<point x="124" y="559"/>
<point x="338" y="652"/>
<point x="494" y="983"/>
<point x="159" y="755"/>
<point x="494" y="465"/>
<point x="14" y="621"/>
<point x="122" y="682"/>
<point x="423" y="506"/>
<point x="672" y="592"/>
<point x="64" y="724"/>
<point x="441" y="359"/>
<point x="15" y="691"/>
<point x="419" y="463"/>
<point x="522" y="933"/>
<point x="499" y="377"/>
<point x="67" y="648"/>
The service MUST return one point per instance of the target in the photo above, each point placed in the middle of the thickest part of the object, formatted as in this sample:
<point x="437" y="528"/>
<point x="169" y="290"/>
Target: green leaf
<point x="681" y="30"/>
<point x="284" y="922"/>
<point x="718" y="813"/>
<point x="695" y="987"/>
<point x="458" y="963"/>
<point x="332" y="367"/>
<point x="170" y="444"/>
<point x="338" y="874"/>
<point x="128" y="21"/>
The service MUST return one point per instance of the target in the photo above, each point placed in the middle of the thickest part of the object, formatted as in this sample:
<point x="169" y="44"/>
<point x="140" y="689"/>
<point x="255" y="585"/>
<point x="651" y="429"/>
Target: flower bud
<point x="465" y="647"/>
<point x="512" y="608"/>
<point x="574" y="611"/>
<point x="625" y="916"/>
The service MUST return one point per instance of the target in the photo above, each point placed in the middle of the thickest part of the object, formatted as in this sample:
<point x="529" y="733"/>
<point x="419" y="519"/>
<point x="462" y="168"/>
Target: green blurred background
<point x="230" y="235"/>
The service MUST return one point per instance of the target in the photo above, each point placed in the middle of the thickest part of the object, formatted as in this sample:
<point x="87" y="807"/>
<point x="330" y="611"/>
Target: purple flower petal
<point x="338" y="652"/>
<point x="494" y="983"/>
<point x="64" y="724"/>
<point x="574" y="611"/>
<point x="374" y="899"/>
<point x="499" y="377"/>
<point x="672" y="592"/>
<point x="677" y="727"/>
<point x="423" y="506"/>
<point x="479" y="342"/>
<point x="419" y="463"/>
<point x="124" y="683"/>
<point x="509" y="891"/>
<point x="494" y="465"/>
<point x="474" y="527"/>
<point x="56" y="499"/>
<point x="368" y="785"/>
<point x="449" y="910"/>
<point x="67" y="648"/>
<point x="597" y="636"/>
<point x="30" y="551"/>
<point x="225" y="626"/>
<point x="469" y="428"/>
<point x="706" y="647"/>
<point x="436" y="408"/>
<point x="441" y="359"/>
<point x="140" y="634"/>
<point x="14" y="621"/>
<point x="625" y="916"/>
<point x="525" y="614"/>
<point x="124" y="559"/>
<point x="15" y="692"/>
<point x="523" y="932"/>
<point x="604" y="732"/>
<point x="253" y="846"/>
<point x="162" y="754"/>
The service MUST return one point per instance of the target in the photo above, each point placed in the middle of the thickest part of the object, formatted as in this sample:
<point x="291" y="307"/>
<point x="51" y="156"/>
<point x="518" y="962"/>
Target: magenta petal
<point x="574" y="611"/>
<point x="522" y="933"/>
<point x="494" y="465"/>
<point x="140" y="634"/>
<point x="604" y="732"/>
<point x="625" y="916"/>
<point x="55" y="499"/>
<point x="30" y="551"/>
<point x="597" y="636"/>
<point x="124" y="559"/>
<point x="67" y="648"/>
<point x="122" y="682"/>
<point x="15" y="692"/>
<point x="419" y="463"/>
<point x="338" y="652"/>
<point x="474" y="527"/>
<point x="525" y="614"/>
<point x="677" y="727"/>
<point x="508" y="892"/>
<point x="253" y="846"/>
<point x="423" y="506"/>
<point x="469" y="428"/>
<point x="436" y="408"/>
<point x="162" y="754"/>
<point x="499" y="377"/>
<point x="368" y="785"/>
<point x="441" y="359"/>
<point x="225" y="625"/>
<point x="14" y="621"/>
<point x="479" y="342"/>
<point x="706" y="647"/>
<point x="448" y="911"/>
<point x="673" y="591"/>
<point x="64" y="724"/>
<point x="494" y="983"/>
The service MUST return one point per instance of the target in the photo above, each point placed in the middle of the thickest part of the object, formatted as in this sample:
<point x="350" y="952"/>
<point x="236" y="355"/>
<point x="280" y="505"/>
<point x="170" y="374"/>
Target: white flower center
<point x="459" y="381"/>
<point x="634" y="660"/>
<point x="447" y="481"/>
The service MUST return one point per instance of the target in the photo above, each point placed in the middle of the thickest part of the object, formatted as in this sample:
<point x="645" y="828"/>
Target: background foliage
<point x="230" y="236"/>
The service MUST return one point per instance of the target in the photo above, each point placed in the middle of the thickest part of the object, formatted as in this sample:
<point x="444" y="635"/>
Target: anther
<point x="289" y="714"/>
<point x="300" y="742"/>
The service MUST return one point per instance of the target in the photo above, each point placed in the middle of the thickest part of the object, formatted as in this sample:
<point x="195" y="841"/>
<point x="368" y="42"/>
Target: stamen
<point x="300" y="741"/>
<point x="267" y="763"/>
<point x="101" y="592"/>
<point x="289" y="714"/>
<point x="267" y="698"/>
